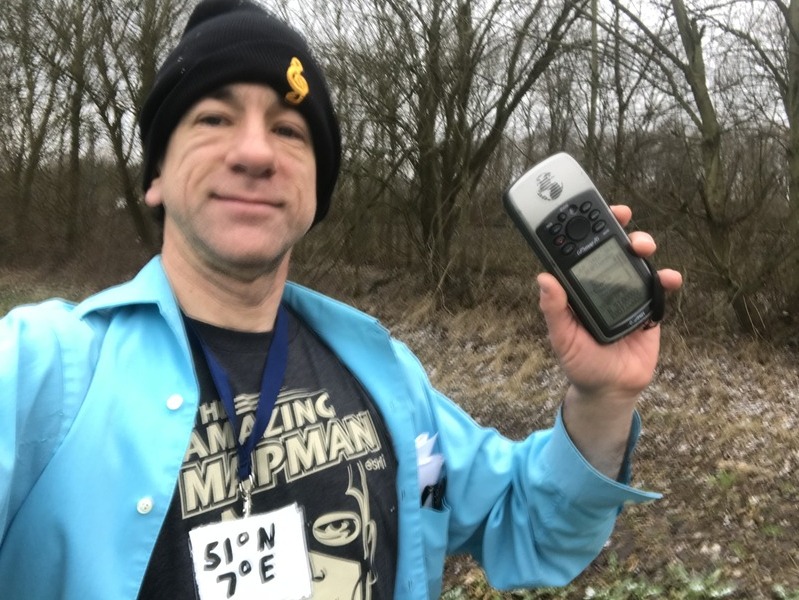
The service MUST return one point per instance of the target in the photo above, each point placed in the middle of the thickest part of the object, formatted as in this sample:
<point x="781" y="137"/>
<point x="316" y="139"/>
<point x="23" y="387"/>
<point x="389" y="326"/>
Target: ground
<point x="719" y="440"/>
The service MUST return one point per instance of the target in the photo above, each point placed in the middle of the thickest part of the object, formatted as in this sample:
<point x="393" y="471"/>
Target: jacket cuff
<point x="579" y="480"/>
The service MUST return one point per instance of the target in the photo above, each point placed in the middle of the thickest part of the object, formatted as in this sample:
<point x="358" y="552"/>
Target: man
<point x="208" y="430"/>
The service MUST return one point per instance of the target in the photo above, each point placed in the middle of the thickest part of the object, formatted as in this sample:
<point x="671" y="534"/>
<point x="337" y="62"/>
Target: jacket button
<point x="174" y="402"/>
<point x="145" y="505"/>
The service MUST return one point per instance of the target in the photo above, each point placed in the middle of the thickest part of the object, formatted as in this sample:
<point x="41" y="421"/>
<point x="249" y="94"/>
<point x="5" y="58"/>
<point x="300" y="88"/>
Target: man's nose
<point x="252" y="150"/>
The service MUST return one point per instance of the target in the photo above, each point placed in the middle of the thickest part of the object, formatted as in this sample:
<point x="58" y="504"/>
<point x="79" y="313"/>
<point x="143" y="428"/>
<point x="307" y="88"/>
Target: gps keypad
<point x="570" y="224"/>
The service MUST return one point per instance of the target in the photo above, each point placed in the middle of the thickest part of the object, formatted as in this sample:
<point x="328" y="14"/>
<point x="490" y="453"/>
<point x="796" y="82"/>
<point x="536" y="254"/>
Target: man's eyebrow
<point x="223" y="94"/>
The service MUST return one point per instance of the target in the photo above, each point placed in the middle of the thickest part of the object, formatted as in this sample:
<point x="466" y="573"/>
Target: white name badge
<point x="262" y="556"/>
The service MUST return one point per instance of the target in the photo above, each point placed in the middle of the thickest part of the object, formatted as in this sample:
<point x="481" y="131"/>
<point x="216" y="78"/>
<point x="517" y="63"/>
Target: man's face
<point x="238" y="181"/>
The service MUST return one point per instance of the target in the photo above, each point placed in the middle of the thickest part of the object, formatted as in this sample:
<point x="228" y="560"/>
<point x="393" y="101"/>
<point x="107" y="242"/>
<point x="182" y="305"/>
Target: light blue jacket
<point x="98" y="400"/>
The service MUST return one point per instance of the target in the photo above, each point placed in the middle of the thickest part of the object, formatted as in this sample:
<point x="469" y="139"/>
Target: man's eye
<point x="212" y="120"/>
<point x="290" y="132"/>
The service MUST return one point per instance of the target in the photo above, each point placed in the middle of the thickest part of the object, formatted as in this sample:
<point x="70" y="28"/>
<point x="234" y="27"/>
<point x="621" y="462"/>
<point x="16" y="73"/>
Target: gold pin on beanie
<point x="237" y="41"/>
<point x="299" y="86"/>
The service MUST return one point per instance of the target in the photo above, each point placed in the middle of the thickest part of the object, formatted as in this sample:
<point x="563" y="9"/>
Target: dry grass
<point x="17" y="287"/>
<point x="720" y="434"/>
<point x="720" y="425"/>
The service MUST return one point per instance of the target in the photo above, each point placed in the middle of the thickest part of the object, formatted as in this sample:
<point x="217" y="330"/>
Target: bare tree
<point x="437" y="83"/>
<point x="67" y="26"/>
<point x="769" y="31"/>
<point x="125" y="54"/>
<point x="29" y="102"/>
<point x="722" y="224"/>
<point x="76" y="71"/>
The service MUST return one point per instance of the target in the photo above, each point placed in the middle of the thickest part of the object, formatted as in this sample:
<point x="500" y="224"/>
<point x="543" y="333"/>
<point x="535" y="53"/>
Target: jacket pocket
<point x="435" y="529"/>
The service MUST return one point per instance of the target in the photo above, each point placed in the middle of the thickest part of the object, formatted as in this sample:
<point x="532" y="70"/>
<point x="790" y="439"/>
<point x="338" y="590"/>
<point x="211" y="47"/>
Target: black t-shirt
<point x="326" y="448"/>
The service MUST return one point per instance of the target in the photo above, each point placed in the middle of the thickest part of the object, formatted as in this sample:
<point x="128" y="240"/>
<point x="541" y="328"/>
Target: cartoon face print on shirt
<point x="345" y="533"/>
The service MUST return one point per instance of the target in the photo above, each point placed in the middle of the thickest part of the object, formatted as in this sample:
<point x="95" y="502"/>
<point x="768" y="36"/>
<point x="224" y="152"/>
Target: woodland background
<point x="686" y="111"/>
<point x="689" y="112"/>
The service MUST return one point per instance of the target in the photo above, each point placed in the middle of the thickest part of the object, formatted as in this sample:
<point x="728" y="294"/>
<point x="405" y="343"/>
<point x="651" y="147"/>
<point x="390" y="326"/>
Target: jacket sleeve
<point x="532" y="512"/>
<point x="40" y="388"/>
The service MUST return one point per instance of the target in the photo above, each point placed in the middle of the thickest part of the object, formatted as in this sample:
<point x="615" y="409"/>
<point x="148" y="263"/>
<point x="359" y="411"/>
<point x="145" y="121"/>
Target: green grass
<point x="678" y="583"/>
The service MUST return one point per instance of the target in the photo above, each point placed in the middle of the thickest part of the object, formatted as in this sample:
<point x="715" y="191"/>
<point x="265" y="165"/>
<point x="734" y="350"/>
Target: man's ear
<point x="153" y="197"/>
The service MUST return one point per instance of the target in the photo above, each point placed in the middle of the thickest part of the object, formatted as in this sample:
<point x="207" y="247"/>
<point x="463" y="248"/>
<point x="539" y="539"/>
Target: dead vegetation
<point x="720" y="438"/>
<point x="720" y="432"/>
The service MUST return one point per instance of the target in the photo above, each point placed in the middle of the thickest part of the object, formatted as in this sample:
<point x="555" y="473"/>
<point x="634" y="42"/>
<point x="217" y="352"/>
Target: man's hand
<point x="605" y="379"/>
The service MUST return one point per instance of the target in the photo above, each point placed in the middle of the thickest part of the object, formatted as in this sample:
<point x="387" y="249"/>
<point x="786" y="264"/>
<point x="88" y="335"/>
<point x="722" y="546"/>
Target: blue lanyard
<point x="271" y="381"/>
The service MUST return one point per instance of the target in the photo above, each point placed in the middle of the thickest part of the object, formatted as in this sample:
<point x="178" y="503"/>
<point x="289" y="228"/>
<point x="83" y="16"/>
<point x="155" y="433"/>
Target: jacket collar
<point x="331" y="319"/>
<point x="349" y="332"/>
<point x="149" y="286"/>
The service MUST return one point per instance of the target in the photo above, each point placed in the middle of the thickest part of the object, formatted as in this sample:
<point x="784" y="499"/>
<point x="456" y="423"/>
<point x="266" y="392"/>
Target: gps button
<point x="578" y="228"/>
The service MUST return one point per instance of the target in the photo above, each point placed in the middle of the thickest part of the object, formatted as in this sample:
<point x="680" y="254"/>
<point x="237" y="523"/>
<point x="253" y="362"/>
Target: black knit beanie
<point x="237" y="41"/>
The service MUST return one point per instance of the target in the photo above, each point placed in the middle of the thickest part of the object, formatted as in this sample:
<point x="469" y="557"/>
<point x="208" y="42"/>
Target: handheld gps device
<point x="575" y="235"/>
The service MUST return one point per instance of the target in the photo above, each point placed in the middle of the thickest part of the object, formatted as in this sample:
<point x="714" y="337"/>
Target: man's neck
<point x="243" y="303"/>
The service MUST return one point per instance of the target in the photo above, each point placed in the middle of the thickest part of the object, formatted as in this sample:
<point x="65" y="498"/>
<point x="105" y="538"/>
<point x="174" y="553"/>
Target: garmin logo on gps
<point x="548" y="188"/>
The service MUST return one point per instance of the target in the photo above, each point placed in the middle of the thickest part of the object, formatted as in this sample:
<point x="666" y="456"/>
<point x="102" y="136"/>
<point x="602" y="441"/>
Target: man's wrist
<point x="599" y="426"/>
